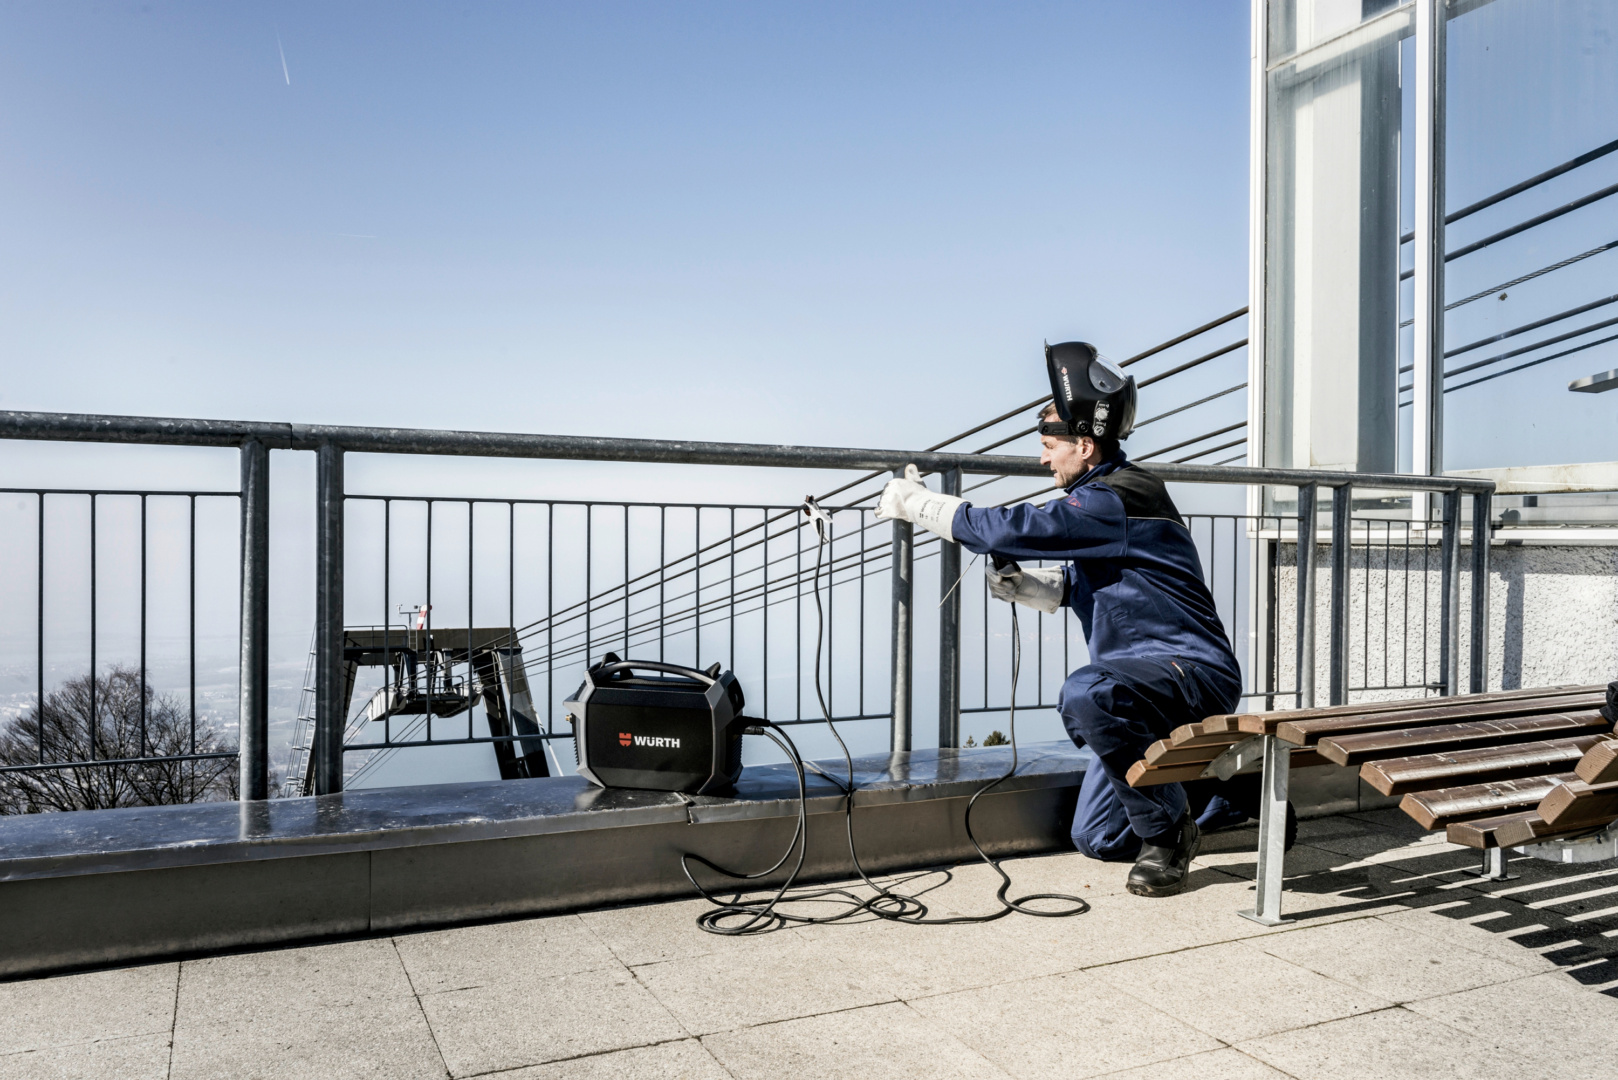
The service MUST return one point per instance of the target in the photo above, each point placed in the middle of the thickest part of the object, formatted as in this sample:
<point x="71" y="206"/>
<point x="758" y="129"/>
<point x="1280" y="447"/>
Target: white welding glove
<point x="906" y="498"/>
<point x="1040" y="587"/>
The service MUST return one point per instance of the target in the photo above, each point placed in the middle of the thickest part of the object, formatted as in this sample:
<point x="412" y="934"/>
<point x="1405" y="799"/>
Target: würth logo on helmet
<point x="625" y="738"/>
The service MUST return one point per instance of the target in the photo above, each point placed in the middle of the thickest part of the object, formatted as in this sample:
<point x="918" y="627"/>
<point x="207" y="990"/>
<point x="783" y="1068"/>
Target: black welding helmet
<point x="1093" y="395"/>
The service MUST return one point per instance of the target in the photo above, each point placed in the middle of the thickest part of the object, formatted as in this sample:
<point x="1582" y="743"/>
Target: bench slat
<point x="1600" y="764"/>
<point x="1197" y="735"/>
<point x="1533" y="828"/>
<point x="1142" y="774"/>
<point x="1576" y="804"/>
<point x="1437" y="809"/>
<point x="1484" y="833"/>
<point x="1355" y="749"/>
<point x="1265" y="723"/>
<point x="1309" y="732"/>
<point x="1422" y="772"/>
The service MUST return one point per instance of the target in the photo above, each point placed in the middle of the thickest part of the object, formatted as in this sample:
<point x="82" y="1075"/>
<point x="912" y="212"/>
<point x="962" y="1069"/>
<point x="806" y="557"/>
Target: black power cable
<point x="737" y="916"/>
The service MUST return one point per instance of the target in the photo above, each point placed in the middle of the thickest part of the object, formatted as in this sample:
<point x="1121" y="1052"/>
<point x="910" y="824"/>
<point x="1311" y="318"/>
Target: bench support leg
<point x="1272" y="833"/>
<point x="1494" y="866"/>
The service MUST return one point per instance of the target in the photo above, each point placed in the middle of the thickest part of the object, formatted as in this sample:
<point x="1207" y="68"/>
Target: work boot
<point x="1161" y="870"/>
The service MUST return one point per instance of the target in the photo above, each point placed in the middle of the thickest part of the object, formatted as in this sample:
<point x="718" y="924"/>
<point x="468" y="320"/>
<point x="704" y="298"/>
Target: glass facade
<point x="1530" y="273"/>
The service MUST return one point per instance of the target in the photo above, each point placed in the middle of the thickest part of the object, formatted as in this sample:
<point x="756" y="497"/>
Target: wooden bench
<point x="1510" y="769"/>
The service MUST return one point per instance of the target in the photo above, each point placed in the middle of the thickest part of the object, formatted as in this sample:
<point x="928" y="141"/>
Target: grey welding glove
<point x="1040" y="587"/>
<point x="906" y="498"/>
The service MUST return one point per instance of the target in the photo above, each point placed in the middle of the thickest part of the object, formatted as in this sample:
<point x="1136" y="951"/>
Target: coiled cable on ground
<point x="739" y="916"/>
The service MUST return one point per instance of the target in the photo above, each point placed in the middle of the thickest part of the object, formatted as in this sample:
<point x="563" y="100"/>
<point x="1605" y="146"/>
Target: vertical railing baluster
<point x="1342" y="524"/>
<point x="949" y="629"/>
<point x="143" y="625"/>
<point x="387" y="617"/>
<point x="191" y="618"/>
<point x="1482" y="530"/>
<point x="901" y="629"/>
<point x="254" y="732"/>
<point x="329" y="718"/>
<point x="1449" y="610"/>
<point x="1307" y="496"/>
<point x="92" y="717"/>
<point x="428" y="669"/>
<point x="39" y="634"/>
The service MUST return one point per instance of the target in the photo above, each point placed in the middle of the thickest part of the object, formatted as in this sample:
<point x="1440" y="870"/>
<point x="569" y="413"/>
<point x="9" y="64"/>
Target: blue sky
<point x="846" y="224"/>
<point x="840" y="224"/>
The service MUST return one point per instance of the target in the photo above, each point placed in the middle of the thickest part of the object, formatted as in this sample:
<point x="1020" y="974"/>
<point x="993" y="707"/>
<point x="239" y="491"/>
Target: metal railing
<point x="115" y="525"/>
<point x="856" y="560"/>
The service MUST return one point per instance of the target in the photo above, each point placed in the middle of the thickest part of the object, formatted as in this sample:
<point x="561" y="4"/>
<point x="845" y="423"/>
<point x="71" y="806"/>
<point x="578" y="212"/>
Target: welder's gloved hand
<point x="1040" y="587"/>
<point x="906" y="498"/>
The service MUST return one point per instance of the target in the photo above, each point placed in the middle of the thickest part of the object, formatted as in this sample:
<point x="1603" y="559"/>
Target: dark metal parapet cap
<point x="171" y="431"/>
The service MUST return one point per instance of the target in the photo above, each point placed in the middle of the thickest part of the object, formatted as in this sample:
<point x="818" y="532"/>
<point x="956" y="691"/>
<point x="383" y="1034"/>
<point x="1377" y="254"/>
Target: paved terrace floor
<point x="1398" y="965"/>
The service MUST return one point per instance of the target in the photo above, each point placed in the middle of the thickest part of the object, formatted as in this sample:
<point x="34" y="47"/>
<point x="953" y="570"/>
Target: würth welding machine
<point x="677" y="730"/>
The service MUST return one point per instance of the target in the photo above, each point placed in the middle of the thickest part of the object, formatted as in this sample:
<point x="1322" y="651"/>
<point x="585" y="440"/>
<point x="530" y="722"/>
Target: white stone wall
<point x="1553" y="617"/>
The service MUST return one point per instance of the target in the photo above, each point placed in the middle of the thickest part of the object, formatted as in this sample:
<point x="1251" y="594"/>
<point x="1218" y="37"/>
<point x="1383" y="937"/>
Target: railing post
<point x="1449" y="642"/>
<point x="254" y="737"/>
<point x="1306" y="595"/>
<point x="329" y="719"/>
<point x="1482" y="512"/>
<point x="903" y="628"/>
<point x="1342" y="523"/>
<point x="949" y="630"/>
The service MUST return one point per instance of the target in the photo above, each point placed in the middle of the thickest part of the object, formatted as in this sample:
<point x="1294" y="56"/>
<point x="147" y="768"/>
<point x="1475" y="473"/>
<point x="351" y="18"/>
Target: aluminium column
<point x="1427" y="382"/>
<point x="254" y="736"/>
<point x="329" y="719"/>
<point x="949" y="630"/>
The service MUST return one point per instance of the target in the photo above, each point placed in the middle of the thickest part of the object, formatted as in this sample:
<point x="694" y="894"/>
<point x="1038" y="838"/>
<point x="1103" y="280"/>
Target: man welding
<point x="1130" y="571"/>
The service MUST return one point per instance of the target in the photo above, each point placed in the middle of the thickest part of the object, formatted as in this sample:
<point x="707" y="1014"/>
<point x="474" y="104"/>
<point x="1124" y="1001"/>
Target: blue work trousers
<point x="1118" y="709"/>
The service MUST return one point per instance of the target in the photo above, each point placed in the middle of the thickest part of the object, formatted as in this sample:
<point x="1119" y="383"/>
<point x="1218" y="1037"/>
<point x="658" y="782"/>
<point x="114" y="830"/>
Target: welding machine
<point x="677" y="730"/>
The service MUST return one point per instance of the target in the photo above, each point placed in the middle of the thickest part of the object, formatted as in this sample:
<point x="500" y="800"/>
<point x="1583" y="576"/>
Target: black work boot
<point x="1161" y="870"/>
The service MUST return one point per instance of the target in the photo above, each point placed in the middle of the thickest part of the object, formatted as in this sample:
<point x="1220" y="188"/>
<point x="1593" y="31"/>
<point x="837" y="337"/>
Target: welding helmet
<point x="1093" y="395"/>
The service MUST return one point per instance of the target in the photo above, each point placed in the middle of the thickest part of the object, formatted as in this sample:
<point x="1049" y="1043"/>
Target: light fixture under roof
<point x="1595" y="384"/>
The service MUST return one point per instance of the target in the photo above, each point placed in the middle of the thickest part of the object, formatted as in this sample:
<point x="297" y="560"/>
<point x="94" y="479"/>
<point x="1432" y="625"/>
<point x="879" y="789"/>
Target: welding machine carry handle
<point x="608" y="669"/>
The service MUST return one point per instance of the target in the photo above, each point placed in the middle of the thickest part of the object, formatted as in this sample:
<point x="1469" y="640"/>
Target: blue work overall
<point x="1159" y="655"/>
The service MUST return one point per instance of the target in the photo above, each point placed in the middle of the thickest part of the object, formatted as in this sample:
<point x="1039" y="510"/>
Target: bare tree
<point x="123" y="729"/>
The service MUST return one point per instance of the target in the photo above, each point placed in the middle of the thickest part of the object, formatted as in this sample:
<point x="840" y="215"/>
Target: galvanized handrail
<point x="331" y="442"/>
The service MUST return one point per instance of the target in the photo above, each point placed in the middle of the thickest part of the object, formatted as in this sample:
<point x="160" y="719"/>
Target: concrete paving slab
<point x="1388" y="960"/>
<point x="686" y="1059"/>
<point x="1237" y="991"/>
<point x="332" y="1011"/>
<point x="512" y="1023"/>
<point x="890" y="1040"/>
<point x="1227" y="1064"/>
<point x="971" y="892"/>
<point x="138" y="1057"/>
<point x="1458" y="922"/>
<point x="1210" y="908"/>
<point x="88" y="1006"/>
<point x="917" y="961"/>
<point x="650" y="933"/>
<point x="1071" y="1025"/>
<point x="1390" y="1045"/>
<point x="525" y="949"/>
<point x="1545" y="1018"/>
<point x="762" y="980"/>
<point x="1124" y="927"/>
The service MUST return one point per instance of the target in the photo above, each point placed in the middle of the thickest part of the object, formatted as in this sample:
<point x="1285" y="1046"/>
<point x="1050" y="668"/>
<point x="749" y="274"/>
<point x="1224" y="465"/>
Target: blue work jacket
<point x="1132" y="577"/>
